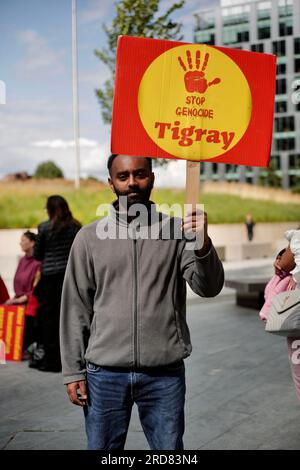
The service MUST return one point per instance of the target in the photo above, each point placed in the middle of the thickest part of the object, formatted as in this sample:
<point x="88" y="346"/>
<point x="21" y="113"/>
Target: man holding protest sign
<point x="124" y="334"/>
<point x="123" y="320"/>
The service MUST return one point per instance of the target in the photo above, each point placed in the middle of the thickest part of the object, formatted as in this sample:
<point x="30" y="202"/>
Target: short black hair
<point x="30" y="235"/>
<point x="281" y="252"/>
<point x="114" y="155"/>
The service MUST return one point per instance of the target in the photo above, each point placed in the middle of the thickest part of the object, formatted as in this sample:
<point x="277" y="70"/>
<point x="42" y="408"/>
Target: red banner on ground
<point x="193" y="101"/>
<point x="12" y="321"/>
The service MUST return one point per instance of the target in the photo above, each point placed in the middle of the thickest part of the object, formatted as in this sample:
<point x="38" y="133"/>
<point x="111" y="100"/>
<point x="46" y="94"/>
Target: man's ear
<point x="111" y="184"/>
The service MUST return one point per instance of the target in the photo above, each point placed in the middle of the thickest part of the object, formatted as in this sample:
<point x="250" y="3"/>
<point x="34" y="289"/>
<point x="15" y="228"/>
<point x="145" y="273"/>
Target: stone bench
<point x="249" y="291"/>
<point x="251" y="250"/>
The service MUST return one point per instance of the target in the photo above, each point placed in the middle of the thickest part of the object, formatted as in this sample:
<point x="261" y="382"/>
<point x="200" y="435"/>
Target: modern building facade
<point x="271" y="27"/>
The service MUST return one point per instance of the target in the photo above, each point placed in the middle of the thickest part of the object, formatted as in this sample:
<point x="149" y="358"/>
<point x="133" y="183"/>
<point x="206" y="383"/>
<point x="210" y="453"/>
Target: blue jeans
<point x="159" y="396"/>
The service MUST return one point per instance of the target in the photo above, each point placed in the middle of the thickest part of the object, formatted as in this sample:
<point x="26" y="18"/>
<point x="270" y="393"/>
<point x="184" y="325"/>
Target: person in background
<point x="24" y="283"/>
<point x="286" y="277"/>
<point x="293" y="236"/>
<point x="4" y="295"/>
<point x="55" y="238"/>
<point x="250" y="227"/>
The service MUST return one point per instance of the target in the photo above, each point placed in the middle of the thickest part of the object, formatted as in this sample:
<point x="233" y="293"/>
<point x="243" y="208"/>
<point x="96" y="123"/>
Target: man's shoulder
<point x="89" y="231"/>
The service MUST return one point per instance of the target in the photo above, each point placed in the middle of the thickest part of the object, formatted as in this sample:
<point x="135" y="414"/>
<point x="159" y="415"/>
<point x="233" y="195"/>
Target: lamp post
<point x="75" y="95"/>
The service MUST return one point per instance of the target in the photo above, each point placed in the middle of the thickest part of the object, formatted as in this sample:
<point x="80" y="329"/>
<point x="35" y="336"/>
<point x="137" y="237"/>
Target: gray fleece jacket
<point x="124" y="294"/>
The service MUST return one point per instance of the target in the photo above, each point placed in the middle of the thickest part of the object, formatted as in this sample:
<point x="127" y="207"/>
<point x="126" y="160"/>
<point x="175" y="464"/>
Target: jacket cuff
<point x="206" y="255"/>
<point x="68" y="379"/>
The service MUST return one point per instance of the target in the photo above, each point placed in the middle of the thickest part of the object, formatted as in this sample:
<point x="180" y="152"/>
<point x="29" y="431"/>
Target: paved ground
<point x="239" y="392"/>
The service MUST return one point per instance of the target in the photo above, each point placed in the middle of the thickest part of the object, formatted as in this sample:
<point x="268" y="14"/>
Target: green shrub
<point x="296" y="189"/>
<point x="48" y="170"/>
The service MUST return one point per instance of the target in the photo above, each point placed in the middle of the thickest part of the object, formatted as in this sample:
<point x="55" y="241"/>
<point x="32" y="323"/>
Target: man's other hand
<point x="73" y="389"/>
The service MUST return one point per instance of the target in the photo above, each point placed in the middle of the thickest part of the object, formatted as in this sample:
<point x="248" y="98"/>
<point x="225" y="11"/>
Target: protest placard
<point x="12" y="321"/>
<point x="193" y="101"/>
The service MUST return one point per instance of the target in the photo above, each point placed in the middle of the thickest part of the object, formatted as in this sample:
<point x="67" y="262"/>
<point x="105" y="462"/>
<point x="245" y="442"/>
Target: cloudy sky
<point x="35" y="64"/>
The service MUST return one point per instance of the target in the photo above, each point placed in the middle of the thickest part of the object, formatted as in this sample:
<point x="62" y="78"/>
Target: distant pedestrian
<point x="55" y="238"/>
<point x="250" y="227"/>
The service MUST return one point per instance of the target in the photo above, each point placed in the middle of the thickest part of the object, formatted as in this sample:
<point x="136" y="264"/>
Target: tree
<point x="48" y="170"/>
<point x="134" y="18"/>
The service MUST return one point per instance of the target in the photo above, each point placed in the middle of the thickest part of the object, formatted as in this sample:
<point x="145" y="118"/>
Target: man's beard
<point x="135" y="195"/>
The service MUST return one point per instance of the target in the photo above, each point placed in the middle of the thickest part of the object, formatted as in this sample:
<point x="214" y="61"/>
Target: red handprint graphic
<point x="195" y="81"/>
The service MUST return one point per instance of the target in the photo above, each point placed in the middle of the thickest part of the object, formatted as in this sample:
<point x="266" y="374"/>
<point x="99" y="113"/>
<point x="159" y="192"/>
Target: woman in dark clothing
<point x="55" y="238"/>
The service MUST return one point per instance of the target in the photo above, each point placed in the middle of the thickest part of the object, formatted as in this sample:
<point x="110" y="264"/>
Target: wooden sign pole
<point x="192" y="184"/>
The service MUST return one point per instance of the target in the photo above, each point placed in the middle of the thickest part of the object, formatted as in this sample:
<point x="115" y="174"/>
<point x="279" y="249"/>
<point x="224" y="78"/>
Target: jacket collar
<point x="147" y="216"/>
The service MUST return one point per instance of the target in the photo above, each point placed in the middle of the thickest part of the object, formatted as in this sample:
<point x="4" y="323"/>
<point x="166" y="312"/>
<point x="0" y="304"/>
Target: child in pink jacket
<point x="284" y="279"/>
<point x="280" y="282"/>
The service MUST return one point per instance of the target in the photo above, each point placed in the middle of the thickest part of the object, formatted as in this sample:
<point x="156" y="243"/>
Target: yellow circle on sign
<point x="194" y="102"/>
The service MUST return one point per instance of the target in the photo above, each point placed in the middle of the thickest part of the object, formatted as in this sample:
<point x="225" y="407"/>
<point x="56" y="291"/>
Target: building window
<point x="279" y="48"/>
<point x="280" y="86"/>
<point x="297" y="45"/>
<point x="231" y="169"/>
<point x="286" y="27"/>
<point x="257" y="47"/>
<point x="204" y="37"/>
<point x="285" y="124"/>
<point x="214" y="168"/>
<point x="264" y="20"/>
<point x="294" y="161"/>
<point x="281" y="69"/>
<point x="235" y="34"/>
<point x="285" y="11"/>
<point x="249" y="174"/>
<point x="297" y="65"/>
<point x="205" y="29"/>
<point x="235" y="24"/>
<point x="280" y="107"/>
<point x="285" y="144"/>
<point x="294" y="169"/>
<point x="264" y="29"/>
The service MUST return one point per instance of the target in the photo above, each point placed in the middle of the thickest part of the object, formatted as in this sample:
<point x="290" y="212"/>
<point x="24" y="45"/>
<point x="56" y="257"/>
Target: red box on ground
<point x="12" y="322"/>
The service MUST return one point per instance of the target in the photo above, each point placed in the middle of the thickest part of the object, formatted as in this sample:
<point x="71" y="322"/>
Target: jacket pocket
<point x="179" y="333"/>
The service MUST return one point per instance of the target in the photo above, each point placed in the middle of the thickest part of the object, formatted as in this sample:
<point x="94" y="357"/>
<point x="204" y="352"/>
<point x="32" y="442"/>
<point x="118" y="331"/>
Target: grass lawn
<point x="22" y="203"/>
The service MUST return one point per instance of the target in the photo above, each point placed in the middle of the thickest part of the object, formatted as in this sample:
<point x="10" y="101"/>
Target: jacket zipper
<point x="135" y="283"/>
